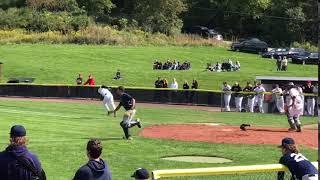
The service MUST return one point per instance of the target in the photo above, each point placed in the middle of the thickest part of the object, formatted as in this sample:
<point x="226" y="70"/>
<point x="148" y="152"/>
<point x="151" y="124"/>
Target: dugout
<point x="269" y="81"/>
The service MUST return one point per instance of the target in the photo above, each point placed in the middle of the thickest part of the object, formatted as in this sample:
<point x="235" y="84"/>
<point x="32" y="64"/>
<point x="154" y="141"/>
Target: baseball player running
<point x="128" y="104"/>
<point x="259" y="90"/>
<point x="277" y="91"/>
<point x="226" y="89"/>
<point x="299" y="166"/>
<point x="294" y="107"/>
<point x="108" y="101"/>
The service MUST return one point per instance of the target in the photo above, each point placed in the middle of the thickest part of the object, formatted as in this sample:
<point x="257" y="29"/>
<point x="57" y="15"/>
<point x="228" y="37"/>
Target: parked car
<point x="271" y="53"/>
<point x="306" y="58"/>
<point x="250" y="45"/>
<point x="203" y="32"/>
<point x="281" y="52"/>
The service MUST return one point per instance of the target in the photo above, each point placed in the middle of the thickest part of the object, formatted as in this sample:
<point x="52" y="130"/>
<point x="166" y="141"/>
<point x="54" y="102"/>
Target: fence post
<point x="0" y="71"/>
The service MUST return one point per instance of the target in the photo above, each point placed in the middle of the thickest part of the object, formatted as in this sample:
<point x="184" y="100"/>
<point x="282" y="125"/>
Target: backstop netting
<point x="255" y="172"/>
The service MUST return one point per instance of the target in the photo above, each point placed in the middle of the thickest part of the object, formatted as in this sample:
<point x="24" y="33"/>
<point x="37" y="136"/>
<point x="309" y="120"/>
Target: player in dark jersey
<point x="300" y="167"/>
<point x="128" y="104"/>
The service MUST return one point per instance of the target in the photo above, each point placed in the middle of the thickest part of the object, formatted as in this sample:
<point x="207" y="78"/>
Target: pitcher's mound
<point x="198" y="159"/>
<point x="229" y="134"/>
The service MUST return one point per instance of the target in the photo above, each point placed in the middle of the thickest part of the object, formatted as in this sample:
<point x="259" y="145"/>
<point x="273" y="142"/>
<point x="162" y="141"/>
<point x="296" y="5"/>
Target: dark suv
<point x="250" y="45"/>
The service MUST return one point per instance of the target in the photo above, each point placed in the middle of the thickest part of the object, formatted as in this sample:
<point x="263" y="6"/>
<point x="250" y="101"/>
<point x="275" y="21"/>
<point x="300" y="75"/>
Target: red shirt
<point x="90" y="82"/>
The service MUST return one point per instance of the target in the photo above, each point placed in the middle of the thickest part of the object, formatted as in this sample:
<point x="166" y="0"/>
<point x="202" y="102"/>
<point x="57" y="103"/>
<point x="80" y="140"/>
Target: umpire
<point x="128" y="104"/>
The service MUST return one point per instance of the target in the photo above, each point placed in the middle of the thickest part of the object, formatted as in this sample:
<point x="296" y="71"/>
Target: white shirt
<point x="259" y="91"/>
<point x="226" y="89"/>
<point x="277" y="91"/>
<point x="105" y="93"/>
<point x="284" y="62"/>
<point x="174" y="85"/>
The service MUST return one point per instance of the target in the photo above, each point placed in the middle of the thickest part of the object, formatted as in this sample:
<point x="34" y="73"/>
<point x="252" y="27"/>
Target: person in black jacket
<point x="16" y="162"/>
<point x="96" y="168"/>
<point x="237" y="96"/>
<point x="186" y="87"/>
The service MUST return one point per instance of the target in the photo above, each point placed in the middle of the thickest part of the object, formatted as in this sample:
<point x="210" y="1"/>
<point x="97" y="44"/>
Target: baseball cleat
<point x="138" y="123"/>
<point x="292" y="129"/>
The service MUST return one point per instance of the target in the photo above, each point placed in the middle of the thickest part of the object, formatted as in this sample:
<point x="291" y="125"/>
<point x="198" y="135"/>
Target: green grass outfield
<point x="58" y="133"/>
<point x="60" y="64"/>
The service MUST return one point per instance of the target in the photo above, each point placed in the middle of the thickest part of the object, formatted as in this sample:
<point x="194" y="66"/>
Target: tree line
<point x="279" y="22"/>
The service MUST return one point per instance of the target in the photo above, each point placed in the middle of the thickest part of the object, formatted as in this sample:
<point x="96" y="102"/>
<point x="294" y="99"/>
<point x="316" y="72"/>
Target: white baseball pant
<point x="280" y="104"/>
<point x="109" y="104"/>
<point x="227" y="98"/>
<point x="310" y="106"/>
<point x="238" y="102"/>
<point x="251" y="104"/>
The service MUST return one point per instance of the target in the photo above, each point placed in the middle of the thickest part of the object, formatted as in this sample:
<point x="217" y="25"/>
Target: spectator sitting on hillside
<point x="118" y="75"/>
<point x="141" y="174"/>
<point x="237" y="66"/>
<point x="95" y="168"/>
<point x="90" y="81"/>
<point x="171" y="65"/>
<point x="79" y="80"/>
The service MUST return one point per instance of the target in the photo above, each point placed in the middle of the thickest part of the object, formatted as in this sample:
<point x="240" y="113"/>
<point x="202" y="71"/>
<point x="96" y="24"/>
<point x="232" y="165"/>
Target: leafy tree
<point x="5" y="4"/>
<point x="96" y="8"/>
<point x="159" y="15"/>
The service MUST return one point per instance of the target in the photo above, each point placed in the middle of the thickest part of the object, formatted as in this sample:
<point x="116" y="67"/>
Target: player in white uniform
<point x="259" y="90"/>
<point x="226" y="90"/>
<point x="277" y="91"/>
<point x="108" y="101"/>
<point x="295" y="108"/>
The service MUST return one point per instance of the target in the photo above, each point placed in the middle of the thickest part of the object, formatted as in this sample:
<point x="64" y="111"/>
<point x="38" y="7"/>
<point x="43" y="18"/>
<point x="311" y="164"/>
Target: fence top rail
<point x="139" y="88"/>
<point x="157" y="174"/>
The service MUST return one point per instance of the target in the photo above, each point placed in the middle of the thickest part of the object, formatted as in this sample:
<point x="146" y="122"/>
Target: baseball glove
<point x="243" y="126"/>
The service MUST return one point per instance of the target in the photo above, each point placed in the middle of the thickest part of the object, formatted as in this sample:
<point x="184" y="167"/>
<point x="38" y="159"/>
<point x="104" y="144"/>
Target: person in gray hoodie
<point x="96" y="168"/>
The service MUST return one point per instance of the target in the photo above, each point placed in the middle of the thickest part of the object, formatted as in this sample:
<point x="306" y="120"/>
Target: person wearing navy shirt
<point x="128" y="104"/>
<point x="17" y="162"/>
<point x="299" y="166"/>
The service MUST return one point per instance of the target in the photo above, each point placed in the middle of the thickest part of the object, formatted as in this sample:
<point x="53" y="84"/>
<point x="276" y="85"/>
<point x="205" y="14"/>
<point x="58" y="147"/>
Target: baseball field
<point x="60" y="64"/>
<point x="58" y="131"/>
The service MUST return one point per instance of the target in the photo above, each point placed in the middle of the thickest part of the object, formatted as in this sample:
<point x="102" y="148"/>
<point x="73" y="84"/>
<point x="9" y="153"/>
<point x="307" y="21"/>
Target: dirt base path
<point x="94" y="101"/>
<point x="229" y="134"/>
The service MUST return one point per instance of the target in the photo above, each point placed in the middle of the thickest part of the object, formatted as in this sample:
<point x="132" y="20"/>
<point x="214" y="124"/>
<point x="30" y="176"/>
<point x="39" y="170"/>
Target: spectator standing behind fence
<point x="299" y="166"/>
<point x="237" y="96"/>
<point x="96" y="168"/>
<point x="308" y="88"/>
<point x="79" y="79"/>
<point x="278" y="63"/>
<point x="158" y="83"/>
<point x="186" y="87"/>
<point x="226" y="90"/>
<point x="165" y="83"/>
<point x="284" y="64"/>
<point x="259" y="96"/>
<point x="174" y="84"/>
<point x="277" y="91"/>
<point x="90" y="81"/>
<point x="16" y="162"/>
<point x="249" y="89"/>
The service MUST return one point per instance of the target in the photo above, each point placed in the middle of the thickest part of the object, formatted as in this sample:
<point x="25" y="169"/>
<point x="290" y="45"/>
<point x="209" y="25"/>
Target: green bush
<point x="306" y="45"/>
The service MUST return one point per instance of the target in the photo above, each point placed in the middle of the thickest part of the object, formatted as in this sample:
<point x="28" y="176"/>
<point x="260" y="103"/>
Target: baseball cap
<point x="17" y="131"/>
<point x="141" y="173"/>
<point x="286" y="141"/>
<point x="291" y="84"/>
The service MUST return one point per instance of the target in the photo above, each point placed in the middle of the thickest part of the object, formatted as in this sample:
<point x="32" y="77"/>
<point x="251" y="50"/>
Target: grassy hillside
<point x="58" y="133"/>
<point x="61" y="64"/>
